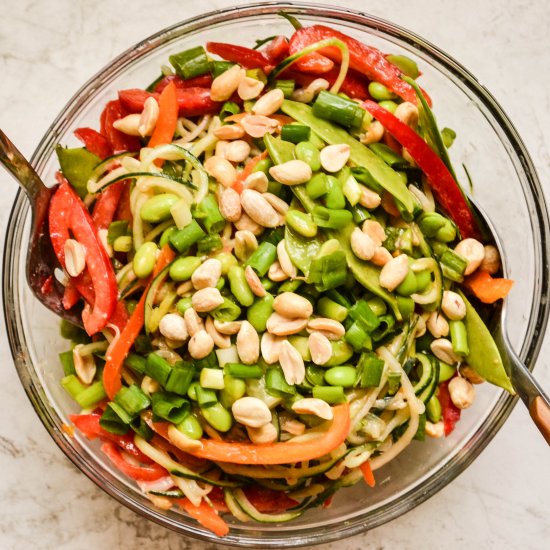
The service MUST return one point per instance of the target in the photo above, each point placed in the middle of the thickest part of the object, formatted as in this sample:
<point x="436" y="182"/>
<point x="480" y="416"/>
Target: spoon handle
<point x="540" y="413"/>
<point x="21" y="169"/>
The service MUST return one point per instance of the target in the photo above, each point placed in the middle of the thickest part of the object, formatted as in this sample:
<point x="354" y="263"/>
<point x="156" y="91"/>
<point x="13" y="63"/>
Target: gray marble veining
<point x="47" y="49"/>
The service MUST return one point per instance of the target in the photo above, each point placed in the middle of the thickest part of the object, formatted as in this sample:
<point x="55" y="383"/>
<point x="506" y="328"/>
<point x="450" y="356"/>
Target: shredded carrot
<point x="167" y="119"/>
<point x="486" y="288"/>
<point x="368" y="476"/>
<point x="247" y="170"/>
<point x="206" y="515"/>
<point x="113" y="367"/>
<point x="279" y="453"/>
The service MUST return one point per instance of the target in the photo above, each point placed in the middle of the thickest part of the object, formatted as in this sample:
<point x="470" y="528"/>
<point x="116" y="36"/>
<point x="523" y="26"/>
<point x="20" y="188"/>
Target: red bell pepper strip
<point x="355" y="85"/>
<point x="118" y="141"/>
<point x="268" y="501"/>
<point x="106" y="205"/>
<point x="206" y="515"/>
<point x="247" y="57"/>
<point x="365" y="59"/>
<point x="68" y="215"/>
<point x="139" y="473"/>
<point x="191" y="101"/>
<point x="277" y="49"/>
<point x="202" y="81"/>
<point x="115" y="359"/>
<point x="443" y="185"/>
<point x="94" y="142"/>
<point x="89" y="425"/>
<point x="167" y="118"/>
<point x="450" y="412"/>
<point x="486" y="288"/>
<point x="123" y="211"/>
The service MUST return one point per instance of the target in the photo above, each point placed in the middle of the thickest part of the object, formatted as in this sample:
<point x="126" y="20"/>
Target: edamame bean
<point x="259" y="312"/>
<point x="123" y="244"/>
<point x="389" y="105"/>
<point x="190" y="426"/>
<point x="405" y="64"/>
<point x="408" y="286"/>
<point x="307" y="152"/>
<point x="157" y="208"/>
<point x="446" y="371"/>
<point x="379" y="92"/>
<point x="234" y="389"/>
<point x="405" y="304"/>
<point x="447" y="233"/>
<point x="433" y="409"/>
<point x="218" y="417"/>
<point x="227" y="260"/>
<point x="165" y="237"/>
<point x="184" y="304"/>
<point x="301" y="343"/>
<point x="341" y="352"/>
<point x="144" y="260"/>
<point x="183" y="268"/>
<point x="430" y="223"/>
<point x="423" y="279"/>
<point x="239" y="286"/>
<point x="263" y="166"/>
<point x="341" y="376"/>
<point x="301" y="222"/>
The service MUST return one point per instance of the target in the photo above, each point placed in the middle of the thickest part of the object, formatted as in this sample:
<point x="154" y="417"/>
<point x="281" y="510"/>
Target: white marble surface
<point x="47" y="50"/>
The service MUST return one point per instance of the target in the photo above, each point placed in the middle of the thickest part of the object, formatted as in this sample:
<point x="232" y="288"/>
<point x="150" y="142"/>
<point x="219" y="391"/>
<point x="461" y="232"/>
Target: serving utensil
<point x="41" y="259"/>
<point x="523" y="381"/>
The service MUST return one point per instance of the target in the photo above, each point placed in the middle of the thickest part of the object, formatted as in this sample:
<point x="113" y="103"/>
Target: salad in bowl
<point x="282" y="283"/>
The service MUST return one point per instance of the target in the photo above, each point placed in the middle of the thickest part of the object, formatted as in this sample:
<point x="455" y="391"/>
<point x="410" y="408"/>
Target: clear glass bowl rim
<point x="301" y="536"/>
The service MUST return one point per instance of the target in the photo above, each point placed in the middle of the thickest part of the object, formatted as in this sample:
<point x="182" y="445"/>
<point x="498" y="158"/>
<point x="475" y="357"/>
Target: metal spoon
<point x="41" y="259"/>
<point x="523" y="381"/>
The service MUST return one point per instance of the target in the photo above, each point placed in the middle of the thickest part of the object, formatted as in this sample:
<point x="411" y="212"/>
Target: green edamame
<point x="408" y="286"/>
<point x="447" y="233"/>
<point x="446" y="371"/>
<point x="218" y="417"/>
<point x="379" y="92"/>
<point x="183" y="268"/>
<point x="184" y="304"/>
<point x="227" y="260"/>
<point x="263" y="166"/>
<point x="308" y="153"/>
<point x="239" y="286"/>
<point x="123" y="244"/>
<point x="157" y="208"/>
<point x="234" y="389"/>
<point x="301" y="222"/>
<point x="341" y="376"/>
<point x="258" y="313"/>
<point x="301" y="343"/>
<point x="190" y="426"/>
<point x="144" y="260"/>
<point x="389" y="105"/>
<point x="423" y="279"/>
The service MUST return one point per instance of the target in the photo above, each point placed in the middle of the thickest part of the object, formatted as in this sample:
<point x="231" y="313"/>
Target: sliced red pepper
<point x="247" y="57"/>
<point x="115" y="359"/>
<point x="106" y="205"/>
<point x="70" y="295"/>
<point x="150" y="472"/>
<point x="94" y="142"/>
<point x="277" y="49"/>
<point x="68" y="217"/>
<point x="268" y="501"/>
<point x="449" y="411"/>
<point x="167" y="117"/>
<point x="89" y="425"/>
<point x="365" y="59"/>
<point x="444" y="187"/>
<point x="124" y="211"/>
<point x="355" y="84"/>
<point x="118" y="141"/>
<point x="202" y="81"/>
<point x="191" y="101"/>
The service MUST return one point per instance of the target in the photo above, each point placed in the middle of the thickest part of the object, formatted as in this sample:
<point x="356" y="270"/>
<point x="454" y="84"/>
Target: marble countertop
<point x="47" y="50"/>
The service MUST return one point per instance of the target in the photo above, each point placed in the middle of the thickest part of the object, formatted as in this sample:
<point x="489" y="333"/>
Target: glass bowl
<point x="505" y="186"/>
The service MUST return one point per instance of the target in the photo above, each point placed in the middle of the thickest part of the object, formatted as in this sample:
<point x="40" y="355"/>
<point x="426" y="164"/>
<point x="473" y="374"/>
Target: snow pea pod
<point x="301" y="249"/>
<point x="359" y="153"/>
<point x="483" y="355"/>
